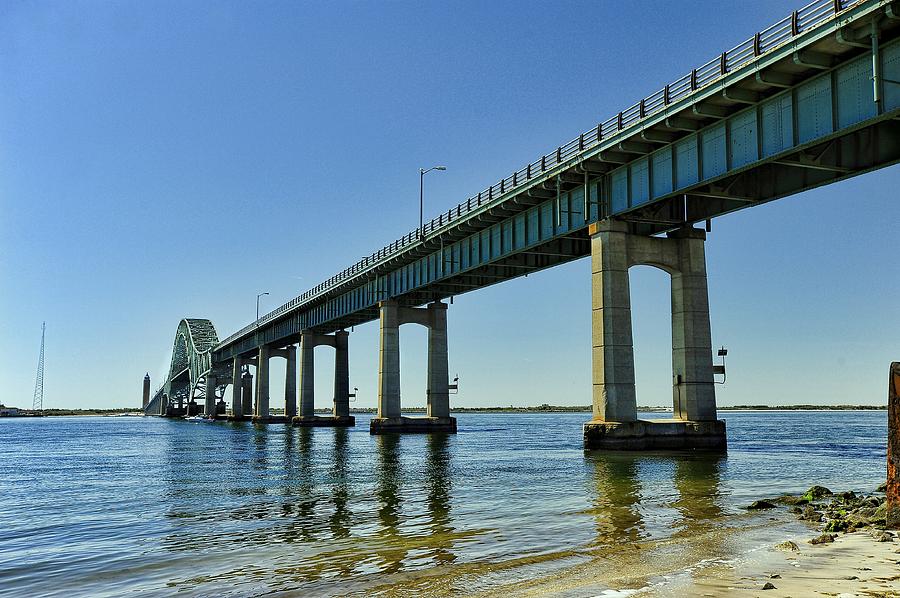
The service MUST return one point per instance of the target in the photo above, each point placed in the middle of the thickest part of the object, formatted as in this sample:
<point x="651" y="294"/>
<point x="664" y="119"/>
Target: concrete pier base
<point x="655" y="434"/>
<point x="421" y="425"/>
<point x="310" y="421"/>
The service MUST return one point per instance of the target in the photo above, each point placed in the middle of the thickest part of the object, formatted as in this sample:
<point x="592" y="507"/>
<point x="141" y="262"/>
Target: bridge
<point x="811" y="100"/>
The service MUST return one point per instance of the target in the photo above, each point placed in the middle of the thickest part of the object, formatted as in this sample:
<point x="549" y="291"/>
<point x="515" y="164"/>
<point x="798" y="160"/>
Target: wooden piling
<point x="893" y="448"/>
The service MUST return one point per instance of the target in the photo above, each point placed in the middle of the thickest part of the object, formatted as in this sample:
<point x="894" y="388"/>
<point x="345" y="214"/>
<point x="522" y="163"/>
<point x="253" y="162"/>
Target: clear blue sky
<point x="168" y="159"/>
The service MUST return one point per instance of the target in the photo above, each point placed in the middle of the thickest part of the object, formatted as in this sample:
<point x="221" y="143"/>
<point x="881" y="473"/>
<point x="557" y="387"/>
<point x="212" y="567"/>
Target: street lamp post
<point x="422" y="172"/>
<point x="257" y="307"/>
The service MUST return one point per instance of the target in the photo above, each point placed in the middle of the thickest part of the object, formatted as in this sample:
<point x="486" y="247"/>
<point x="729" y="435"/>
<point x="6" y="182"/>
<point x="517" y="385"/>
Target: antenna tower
<point x="38" y="403"/>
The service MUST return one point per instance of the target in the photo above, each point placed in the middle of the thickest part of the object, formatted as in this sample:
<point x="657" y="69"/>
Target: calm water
<point x="112" y="506"/>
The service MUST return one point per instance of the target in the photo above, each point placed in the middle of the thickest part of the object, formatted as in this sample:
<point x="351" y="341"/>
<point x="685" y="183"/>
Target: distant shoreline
<point x="67" y="412"/>
<point x="641" y="409"/>
<point x="511" y="409"/>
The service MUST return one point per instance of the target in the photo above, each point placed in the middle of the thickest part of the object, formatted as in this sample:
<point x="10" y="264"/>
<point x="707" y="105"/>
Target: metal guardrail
<point x="813" y="14"/>
<point x="157" y="392"/>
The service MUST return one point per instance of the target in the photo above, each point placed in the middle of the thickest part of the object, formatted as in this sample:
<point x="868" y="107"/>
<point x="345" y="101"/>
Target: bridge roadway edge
<point x="848" y="150"/>
<point x="709" y="207"/>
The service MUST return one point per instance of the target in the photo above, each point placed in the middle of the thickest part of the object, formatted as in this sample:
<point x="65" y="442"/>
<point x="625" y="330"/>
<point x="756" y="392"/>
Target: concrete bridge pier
<point x="340" y="416"/>
<point x="341" y="406"/>
<point x="289" y="353"/>
<point x="247" y="394"/>
<point x="237" y="404"/>
<point x="437" y="417"/>
<point x="615" y="424"/>
<point x="209" y="407"/>
<point x="290" y="383"/>
<point x="261" y="408"/>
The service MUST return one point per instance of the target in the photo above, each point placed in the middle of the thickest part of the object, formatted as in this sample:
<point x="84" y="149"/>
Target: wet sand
<point x="853" y="565"/>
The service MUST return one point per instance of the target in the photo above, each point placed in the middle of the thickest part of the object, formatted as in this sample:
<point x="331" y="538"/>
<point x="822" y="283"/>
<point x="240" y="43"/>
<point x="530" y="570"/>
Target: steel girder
<point x="191" y="363"/>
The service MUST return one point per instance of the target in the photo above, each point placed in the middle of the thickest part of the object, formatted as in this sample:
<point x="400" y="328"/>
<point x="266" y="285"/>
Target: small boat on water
<point x="199" y="418"/>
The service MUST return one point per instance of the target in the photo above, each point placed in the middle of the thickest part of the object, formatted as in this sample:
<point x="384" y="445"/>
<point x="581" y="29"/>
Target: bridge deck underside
<point x="522" y="263"/>
<point x="821" y="108"/>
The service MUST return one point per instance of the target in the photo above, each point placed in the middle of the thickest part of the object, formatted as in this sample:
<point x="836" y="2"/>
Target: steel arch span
<point x="191" y="363"/>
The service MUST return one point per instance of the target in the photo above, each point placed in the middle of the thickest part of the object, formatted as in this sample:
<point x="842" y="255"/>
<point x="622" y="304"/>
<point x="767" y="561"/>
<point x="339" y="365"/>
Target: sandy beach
<point x="855" y="564"/>
<point x="763" y="552"/>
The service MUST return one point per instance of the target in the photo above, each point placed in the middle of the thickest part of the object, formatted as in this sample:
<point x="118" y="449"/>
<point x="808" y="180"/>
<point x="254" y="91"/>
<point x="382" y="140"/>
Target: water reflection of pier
<point x="340" y="519"/>
<point x="302" y="488"/>
<point x="427" y="542"/>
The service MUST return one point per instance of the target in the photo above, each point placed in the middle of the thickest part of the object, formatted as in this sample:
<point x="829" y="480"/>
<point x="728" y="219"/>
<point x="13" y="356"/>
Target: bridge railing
<point x="800" y="21"/>
<point x="157" y="391"/>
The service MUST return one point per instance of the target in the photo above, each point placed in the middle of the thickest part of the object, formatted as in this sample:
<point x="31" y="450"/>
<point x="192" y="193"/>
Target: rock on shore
<point x="842" y="512"/>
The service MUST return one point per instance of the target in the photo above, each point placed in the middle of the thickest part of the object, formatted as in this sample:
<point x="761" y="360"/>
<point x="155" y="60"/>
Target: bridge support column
<point x="389" y="361"/>
<point x="615" y="424"/>
<point x="309" y="340"/>
<point x="614" y="396"/>
<point x="261" y="413"/>
<point x="693" y="390"/>
<point x="307" y="374"/>
<point x="237" y="405"/>
<point x="437" y="394"/>
<point x="437" y="418"/>
<point x="290" y="384"/>
<point x="341" y="374"/>
<point x="209" y="408"/>
<point x="247" y="393"/>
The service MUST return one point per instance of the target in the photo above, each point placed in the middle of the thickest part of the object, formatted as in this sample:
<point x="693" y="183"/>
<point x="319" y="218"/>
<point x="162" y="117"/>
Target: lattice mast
<point x="38" y="402"/>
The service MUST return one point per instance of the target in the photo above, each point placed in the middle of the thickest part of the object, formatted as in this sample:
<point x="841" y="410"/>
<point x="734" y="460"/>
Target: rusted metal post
<point x="893" y="448"/>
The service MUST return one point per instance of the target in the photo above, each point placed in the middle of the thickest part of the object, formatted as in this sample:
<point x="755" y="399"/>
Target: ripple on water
<point x="108" y="506"/>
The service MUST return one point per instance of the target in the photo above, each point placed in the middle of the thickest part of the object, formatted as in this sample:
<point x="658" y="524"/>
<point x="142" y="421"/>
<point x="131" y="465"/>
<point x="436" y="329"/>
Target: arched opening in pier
<point x="254" y="371"/>
<point x="277" y="370"/>
<point x="651" y="326"/>
<point x="324" y="376"/>
<point x="535" y="347"/>
<point x="413" y="365"/>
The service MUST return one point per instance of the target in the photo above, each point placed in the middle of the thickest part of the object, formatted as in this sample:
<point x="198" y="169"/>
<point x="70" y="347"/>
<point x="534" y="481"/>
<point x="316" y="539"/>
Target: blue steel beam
<point x="806" y="102"/>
